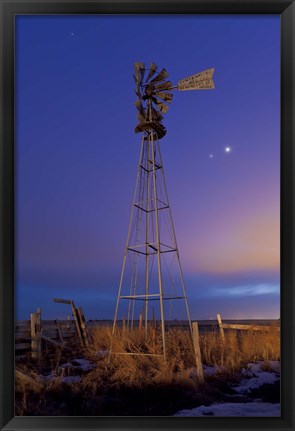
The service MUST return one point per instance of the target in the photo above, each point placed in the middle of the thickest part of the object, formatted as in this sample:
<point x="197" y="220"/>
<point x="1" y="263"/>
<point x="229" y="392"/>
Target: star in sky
<point x="227" y="149"/>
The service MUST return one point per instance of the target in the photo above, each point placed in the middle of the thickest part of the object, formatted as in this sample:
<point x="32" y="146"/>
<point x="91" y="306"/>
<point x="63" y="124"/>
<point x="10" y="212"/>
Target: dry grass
<point x="239" y="348"/>
<point x="141" y="385"/>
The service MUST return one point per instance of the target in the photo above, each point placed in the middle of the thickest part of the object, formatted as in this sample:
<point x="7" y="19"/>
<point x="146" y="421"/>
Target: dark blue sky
<point x="77" y="153"/>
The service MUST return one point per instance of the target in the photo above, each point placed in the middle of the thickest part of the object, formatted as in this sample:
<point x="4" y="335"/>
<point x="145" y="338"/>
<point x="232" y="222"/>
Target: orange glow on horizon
<point x="252" y="243"/>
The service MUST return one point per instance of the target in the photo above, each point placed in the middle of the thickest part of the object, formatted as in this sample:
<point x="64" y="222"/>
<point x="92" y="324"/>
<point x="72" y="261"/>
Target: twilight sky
<point x="77" y="154"/>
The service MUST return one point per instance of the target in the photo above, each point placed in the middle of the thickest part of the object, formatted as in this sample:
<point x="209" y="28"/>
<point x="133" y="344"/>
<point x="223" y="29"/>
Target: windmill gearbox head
<point x="154" y="92"/>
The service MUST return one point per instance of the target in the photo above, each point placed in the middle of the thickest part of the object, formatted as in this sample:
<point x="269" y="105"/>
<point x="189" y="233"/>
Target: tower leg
<point x="159" y="249"/>
<point x="147" y="239"/>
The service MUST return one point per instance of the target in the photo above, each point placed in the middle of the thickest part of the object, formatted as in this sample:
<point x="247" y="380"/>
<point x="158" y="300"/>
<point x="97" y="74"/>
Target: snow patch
<point x="275" y="366"/>
<point x="211" y="371"/>
<point x="67" y="365"/>
<point x="256" y="376"/>
<point x="253" y="409"/>
<point x="71" y="379"/>
<point x="83" y="364"/>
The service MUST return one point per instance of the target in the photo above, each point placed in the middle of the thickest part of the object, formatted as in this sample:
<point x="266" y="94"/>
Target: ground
<point x="242" y="378"/>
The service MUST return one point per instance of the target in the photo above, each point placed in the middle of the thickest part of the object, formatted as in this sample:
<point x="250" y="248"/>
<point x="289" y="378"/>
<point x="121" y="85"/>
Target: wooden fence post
<point x="124" y="326"/>
<point x="39" y="333"/>
<point x="59" y="331"/>
<point x="221" y="328"/>
<point x="76" y="318"/>
<point x="33" y="336"/>
<point x="82" y="323"/>
<point x="140" y="324"/>
<point x="79" y="319"/>
<point x="196" y="340"/>
<point x="36" y="335"/>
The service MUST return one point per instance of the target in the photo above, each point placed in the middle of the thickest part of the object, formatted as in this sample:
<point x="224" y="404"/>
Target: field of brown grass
<point x="138" y="385"/>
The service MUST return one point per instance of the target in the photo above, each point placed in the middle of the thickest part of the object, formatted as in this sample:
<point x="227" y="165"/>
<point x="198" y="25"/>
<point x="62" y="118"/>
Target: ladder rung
<point x="154" y="297"/>
<point x="139" y="296"/>
<point x="156" y="164"/>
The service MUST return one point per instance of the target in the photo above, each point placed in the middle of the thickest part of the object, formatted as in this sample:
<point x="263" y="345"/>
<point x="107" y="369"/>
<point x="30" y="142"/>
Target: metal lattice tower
<point x="151" y="272"/>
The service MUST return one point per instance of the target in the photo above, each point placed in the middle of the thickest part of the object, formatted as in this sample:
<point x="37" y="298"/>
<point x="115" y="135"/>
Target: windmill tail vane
<point x="153" y="92"/>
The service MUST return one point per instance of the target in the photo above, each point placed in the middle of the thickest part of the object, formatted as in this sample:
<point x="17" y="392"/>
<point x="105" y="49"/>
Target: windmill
<point x="147" y="277"/>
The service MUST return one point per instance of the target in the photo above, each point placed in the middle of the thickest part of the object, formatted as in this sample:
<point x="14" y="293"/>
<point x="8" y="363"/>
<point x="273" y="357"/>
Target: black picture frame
<point x="8" y="10"/>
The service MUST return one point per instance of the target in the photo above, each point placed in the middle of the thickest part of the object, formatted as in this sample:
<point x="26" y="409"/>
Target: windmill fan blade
<point x="141" y="118"/>
<point x="137" y="88"/>
<point x="138" y="65"/>
<point x="167" y="97"/>
<point x="139" y="69"/>
<point x="153" y="69"/>
<point x="156" y="115"/>
<point x="162" y="107"/>
<point x="137" y="78"/>
<point x="161" y="76"/>
<point x="141" y="111"/>
<point x="164" y="86"/>
<point x="138" y="104"/>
